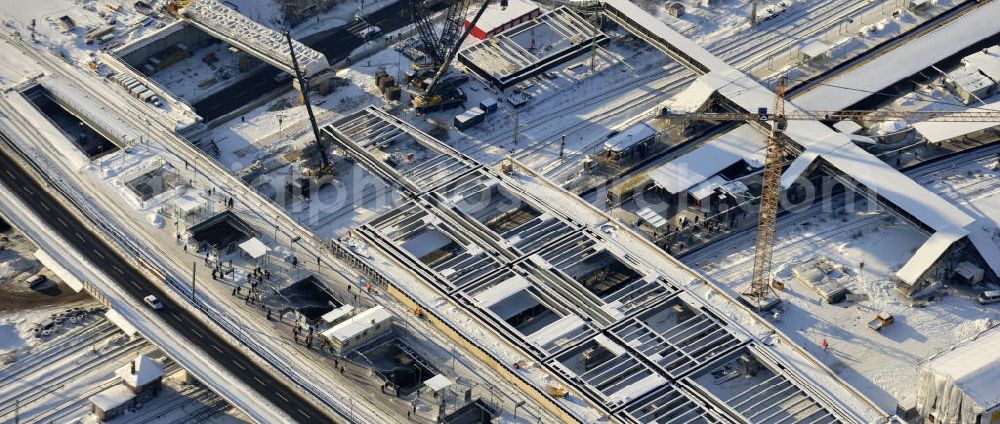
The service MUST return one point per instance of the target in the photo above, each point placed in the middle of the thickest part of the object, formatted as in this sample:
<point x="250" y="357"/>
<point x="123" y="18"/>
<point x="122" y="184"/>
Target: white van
<point x="988" y="297"/>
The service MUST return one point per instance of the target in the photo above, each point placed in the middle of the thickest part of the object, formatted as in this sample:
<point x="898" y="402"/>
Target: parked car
<point x="988" y="297"/>
<point x="35" y="280"/>
<point x="153" y="302"/>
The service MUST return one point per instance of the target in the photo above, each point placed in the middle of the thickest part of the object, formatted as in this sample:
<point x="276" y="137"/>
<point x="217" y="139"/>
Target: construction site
<point x="507" y="211"/>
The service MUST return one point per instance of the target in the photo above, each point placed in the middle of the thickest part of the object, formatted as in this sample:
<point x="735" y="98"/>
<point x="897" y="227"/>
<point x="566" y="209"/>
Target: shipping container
<point x="469" y="118"/>
<point x="489" y="105"/>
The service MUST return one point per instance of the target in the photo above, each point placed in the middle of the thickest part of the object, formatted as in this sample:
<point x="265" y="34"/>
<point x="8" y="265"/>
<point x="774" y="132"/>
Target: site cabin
<point x="632" y="141"/>
<point x="358" y="330"/>
<point x="142" y="379"/>
<point x="676" y="10"/>
<point x="67" y="23"/>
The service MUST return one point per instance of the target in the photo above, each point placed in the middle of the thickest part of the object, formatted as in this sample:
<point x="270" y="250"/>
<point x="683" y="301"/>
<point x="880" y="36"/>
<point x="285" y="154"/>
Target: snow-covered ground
<point x="880" y="364"/>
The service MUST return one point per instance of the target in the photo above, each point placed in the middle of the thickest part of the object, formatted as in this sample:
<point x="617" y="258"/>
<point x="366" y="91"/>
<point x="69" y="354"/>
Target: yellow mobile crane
<point x="431" y="99"/>
<point x="760" y="293"/>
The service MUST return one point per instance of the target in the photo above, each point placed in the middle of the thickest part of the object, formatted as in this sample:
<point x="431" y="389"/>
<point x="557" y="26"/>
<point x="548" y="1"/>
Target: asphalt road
<point x="16" y="179"/>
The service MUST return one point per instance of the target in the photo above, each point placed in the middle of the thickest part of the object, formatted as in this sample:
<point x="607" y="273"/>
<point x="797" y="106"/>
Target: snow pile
<point x="889" y="126"/>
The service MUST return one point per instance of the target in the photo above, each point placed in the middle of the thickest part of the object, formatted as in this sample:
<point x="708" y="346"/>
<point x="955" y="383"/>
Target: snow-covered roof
<point x="908" y="58"/>
<point x="187" y="203"/>
<point x="638" y="388"/>
<point x="798" y="166"/>
<point x="554" y="331"/>
<point x="987" y="211"/>
<point x="987" y="61"/>
<point x="495" y="17"/>
<point x="120" y="321"/>
<point x="437" y="383"/>
<point x="815" y="48"/>
<point x="973" y="366"/>
<point x="147" y="370"/>
<point x="112" y="397"/>
<point x="968" y="269"/>
<point x="705" y="188"/>
<point x="508" y="287"/>
<point x="426" y="242"/>
<point x="337" y="314"/>
<point x="660" y="28"/>
<point x="936" y="131"/>
<point x="355" y="325"/>
<point x="652" y="217"/>
<point x="970" y="79"/>
<point x="630" y="137"/>
<point x="693" y="98"/>
<point x="254" y="248"/>
<point x="744" y="143"/>
<point x="928" y="254"/>
<point x="847" y="126"/>
<point x="900" y="190"/>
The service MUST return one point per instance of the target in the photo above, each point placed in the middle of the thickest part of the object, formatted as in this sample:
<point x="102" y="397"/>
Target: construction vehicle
<point x="556" y="391"/>
<point x="325" y="167"/>
<point x="436" y="46"/>
<point x="437" y="98"/>
<point x="761" y="294"/>
<point x="881" y="321"/>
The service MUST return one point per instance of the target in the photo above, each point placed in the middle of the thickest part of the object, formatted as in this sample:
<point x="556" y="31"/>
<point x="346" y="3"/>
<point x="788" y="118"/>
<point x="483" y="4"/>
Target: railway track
<point x="48" y="383"/>
<point x="75" y="341"/>
<point x="741" y="55"/>
<point x="80" y="404"/>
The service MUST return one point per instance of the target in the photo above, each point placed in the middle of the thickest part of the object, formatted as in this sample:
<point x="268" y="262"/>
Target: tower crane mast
<point x="760" y="292"/>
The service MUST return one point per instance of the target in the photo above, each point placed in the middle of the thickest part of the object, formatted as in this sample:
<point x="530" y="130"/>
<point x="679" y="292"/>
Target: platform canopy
<point x="254" y="248"/>
<point x="438" y="383"/>
<point x="815" y="48"/>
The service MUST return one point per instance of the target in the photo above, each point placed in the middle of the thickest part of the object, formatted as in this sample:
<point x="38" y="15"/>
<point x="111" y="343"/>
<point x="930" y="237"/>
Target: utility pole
<point x="194" y="267"/>
<point x="753" y="13"/>
<point x="517" y="128"/>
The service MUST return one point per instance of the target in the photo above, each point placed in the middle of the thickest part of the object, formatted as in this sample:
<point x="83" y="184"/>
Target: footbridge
<point x="239" y="31"/>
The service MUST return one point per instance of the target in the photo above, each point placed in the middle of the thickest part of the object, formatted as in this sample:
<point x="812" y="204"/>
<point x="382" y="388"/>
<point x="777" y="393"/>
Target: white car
<point x="153" y="302"/>
<point x="370" y="31"/>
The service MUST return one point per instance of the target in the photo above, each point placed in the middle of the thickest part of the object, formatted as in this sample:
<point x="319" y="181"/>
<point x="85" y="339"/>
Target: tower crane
<point x="760" y="292"/>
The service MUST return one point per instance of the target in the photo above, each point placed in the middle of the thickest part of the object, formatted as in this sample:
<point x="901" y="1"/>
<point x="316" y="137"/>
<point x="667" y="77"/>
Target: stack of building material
<point x="469" y="118"/>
